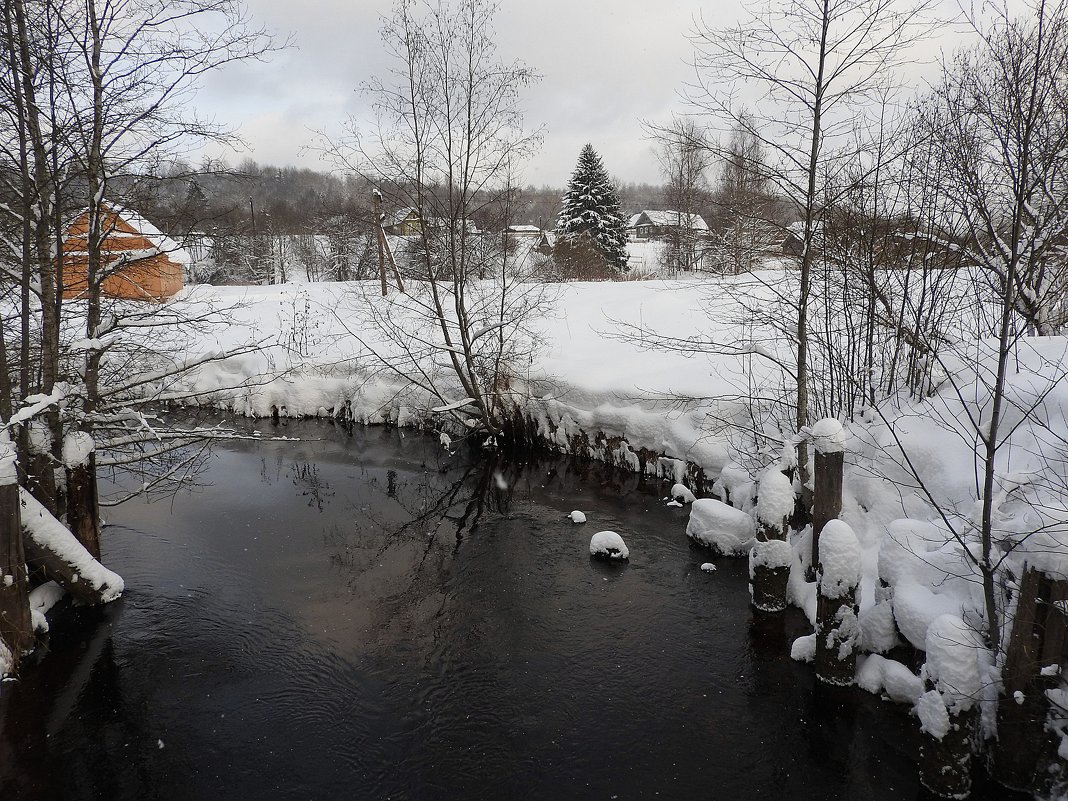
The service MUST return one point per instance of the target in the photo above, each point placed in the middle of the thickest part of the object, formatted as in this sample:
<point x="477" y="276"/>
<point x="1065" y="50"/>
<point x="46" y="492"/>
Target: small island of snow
<point x="577" y="517"/>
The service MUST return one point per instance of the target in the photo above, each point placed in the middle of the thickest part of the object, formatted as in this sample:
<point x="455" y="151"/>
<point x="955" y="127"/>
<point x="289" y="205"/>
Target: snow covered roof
<point x="159" y="240"/>
<point x="668" y="219"/>
<point x="524" y="229"/>
<point x="399" y="216"/>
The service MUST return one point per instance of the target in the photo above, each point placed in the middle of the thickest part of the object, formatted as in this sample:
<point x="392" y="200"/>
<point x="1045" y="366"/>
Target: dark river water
<point x="362" y="616"/>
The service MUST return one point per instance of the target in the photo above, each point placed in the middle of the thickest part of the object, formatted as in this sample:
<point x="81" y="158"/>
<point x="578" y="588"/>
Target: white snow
<point x="804" y="648"/>
<point x="933" y="715"/>
<point x="608" y="544"/>
<point x="577" y="517"/>
<point x="77" y="447"/>
<point x="889" y="678"/>
<point x="682" y="494"/>
<point x="952" y="666"/>
<point x="52" y="535"/>
<point x="708" y="567"/>
<point x="839" y="559"/>
<point x="775" y="497"/>
<point x="772" y="554"/>
<point x="722" y="528"/>
<point x="828" y="435"/>
<point x="42" y="599"/>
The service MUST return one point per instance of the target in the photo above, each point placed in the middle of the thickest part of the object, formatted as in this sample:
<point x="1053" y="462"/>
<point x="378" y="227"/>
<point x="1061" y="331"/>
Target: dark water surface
<point x="363" y="617"/>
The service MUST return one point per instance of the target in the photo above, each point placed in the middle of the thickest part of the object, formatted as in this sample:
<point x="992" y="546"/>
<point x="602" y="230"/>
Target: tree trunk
<point x="827" y="498"/>
<point x="83" y="513"/>
<point x="16" y="627"/>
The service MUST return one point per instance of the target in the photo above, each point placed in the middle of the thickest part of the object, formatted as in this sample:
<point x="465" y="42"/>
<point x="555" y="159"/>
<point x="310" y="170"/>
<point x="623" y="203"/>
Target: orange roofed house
<point x="140" y="262"/>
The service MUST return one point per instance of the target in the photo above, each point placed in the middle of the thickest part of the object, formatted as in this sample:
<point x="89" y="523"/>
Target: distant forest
<point x="257" y="199"/>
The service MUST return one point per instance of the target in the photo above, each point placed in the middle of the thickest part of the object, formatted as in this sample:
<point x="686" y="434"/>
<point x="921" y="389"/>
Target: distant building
<point x="652" y="224"/>
<point x="140" y="262"/>
<point x="403" y="222"/>
<point x="523" y="231"/>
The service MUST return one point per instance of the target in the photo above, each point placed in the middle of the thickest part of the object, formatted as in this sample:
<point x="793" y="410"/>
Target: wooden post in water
<point x="770" y="556"/>
<point x="837" y="628"/>
<point x="16" y="627"/>
<point x="83" y="508"/>
<point x="828" y="467"/>
<point x="1036" y="650"/>
<point x="949" y="709"/>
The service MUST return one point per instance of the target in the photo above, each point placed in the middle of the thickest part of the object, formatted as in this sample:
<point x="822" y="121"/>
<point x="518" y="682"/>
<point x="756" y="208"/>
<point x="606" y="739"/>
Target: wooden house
<point x="649" y="224"/>
<point x="139" y="262"/>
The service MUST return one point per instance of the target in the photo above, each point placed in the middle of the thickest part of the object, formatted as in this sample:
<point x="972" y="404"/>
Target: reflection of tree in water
<point x="304" y="475"/>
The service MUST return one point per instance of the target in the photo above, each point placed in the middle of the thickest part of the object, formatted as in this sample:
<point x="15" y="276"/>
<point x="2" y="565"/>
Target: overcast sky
<point x="606" y="66"/>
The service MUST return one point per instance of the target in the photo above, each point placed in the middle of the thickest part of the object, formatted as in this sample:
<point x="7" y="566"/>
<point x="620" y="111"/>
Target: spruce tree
<point x="591" y="231"/>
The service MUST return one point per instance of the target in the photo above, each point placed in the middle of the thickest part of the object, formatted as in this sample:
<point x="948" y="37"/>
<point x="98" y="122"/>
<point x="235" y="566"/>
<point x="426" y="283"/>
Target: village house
<point x="139" y="262"/>
<point x="649" y="224"/>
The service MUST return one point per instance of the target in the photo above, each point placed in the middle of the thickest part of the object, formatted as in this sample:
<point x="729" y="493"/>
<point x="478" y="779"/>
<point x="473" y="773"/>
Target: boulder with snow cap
<point x="724" y="529"/>
<point x="609" y="546"/>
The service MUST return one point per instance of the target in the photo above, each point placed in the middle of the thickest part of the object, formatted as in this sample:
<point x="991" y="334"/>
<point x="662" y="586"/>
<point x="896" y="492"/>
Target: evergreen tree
<point x="591" y="230"/>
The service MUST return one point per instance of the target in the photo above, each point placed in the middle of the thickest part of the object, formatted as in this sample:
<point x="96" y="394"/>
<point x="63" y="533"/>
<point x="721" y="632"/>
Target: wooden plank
<point x="16" y="627"/>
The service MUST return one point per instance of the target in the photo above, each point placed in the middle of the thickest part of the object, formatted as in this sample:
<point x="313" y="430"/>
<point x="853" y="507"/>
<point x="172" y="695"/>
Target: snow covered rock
<point x="886" y="677"/>
<point x="682" y="494"/>
<point x="804" y="648"/>
<point x="708" y="567"/>
<point x="577" y="517"/>
<point x="952" y="664"/>
<point x="724" y="529"/>
<point x="916" y="607"/>
<point x="608" y="545"/>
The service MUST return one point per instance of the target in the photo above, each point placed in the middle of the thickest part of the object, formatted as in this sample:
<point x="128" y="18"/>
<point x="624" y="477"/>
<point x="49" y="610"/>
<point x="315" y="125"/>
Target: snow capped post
<point x="16" y="629"/>
<point x="837" y="630"/>
<point x="828" y="437"/>
<point x="948" y="710"/>
<point x="769" y="558"/>
<point x="83" y="513"/>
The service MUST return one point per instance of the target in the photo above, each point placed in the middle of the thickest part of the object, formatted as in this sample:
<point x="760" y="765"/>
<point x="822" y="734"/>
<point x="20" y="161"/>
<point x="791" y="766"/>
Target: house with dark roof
<point x="656" y="224"/>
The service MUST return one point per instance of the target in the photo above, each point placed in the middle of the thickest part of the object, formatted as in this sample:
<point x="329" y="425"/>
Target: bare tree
<point x="813" y="66"/>
<point x="448" y="139"/>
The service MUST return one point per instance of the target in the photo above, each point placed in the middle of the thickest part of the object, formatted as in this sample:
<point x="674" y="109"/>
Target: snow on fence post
<point x="16" y="627"/>
<point x="1037" y="648"/>
<point x="837" y="629"/>
<point x="948" y="711"/>
<point x="83" y="511"/>
<point x="769" y="558"/>
<point x="827" y="438"/>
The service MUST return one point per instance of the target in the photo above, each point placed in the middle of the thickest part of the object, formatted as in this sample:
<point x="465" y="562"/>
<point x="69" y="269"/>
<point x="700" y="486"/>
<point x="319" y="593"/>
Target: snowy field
<point x="912" y="473"/>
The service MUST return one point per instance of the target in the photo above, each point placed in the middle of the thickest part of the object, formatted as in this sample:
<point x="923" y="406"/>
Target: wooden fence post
<point x="770" y="556"/>
<point x="837" y="628"/>
<point x="16" y="627"/>
<point x="828" y="467"/>
<point x="1039" y="639"/>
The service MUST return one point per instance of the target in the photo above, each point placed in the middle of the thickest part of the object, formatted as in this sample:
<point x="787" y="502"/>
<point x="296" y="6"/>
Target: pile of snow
<point x="577" y="517"/>
<point x="77" y="448"/>
<point x="888" y="678"/>
<point x="51" y="535"/>
<point x="839" y="560"/>
<point x="775" y="497"/>
<point x="724" y="529"/>
<point x="828" y="436"/>
<point x="608" y="545"/>
<point x="708" y="567"/>
<point x="42" y="599"/>
<point x="804" y="648"/>
<point x="682" y="494"/>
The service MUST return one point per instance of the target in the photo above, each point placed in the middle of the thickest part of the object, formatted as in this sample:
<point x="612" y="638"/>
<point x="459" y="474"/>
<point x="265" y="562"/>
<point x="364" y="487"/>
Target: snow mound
<point x="708" y="567"/>
<point x="724" y="529"/>
<point x="933" y="715"/>
<point x="882" y="676"/>
<point x="682" y="494"/>
<point x="608" y="545"/>
<point x="916" y="607"/>
<point x="773" y="554"/>
<point x="577" y="517"/>
<point x="952" y="664"/>
<point x="839" y="559"/>
<point x="77" y="447"/>
<point x="775" y="497"/>
<point x="828" y="436"/>
<point x="804" y="648"/>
